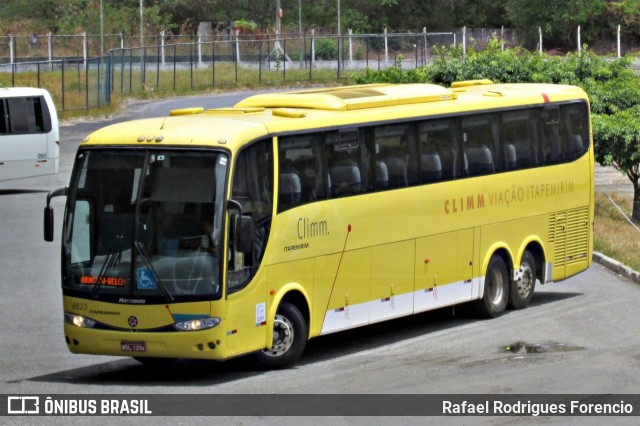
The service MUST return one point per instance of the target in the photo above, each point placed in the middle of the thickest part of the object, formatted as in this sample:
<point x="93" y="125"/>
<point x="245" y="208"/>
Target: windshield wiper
<point x="112" y="260"/>
<point x="147" y="262"/>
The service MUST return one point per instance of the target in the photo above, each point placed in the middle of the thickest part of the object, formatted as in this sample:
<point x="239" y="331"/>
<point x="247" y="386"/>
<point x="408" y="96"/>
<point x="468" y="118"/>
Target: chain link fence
<point x="78" y="77"/>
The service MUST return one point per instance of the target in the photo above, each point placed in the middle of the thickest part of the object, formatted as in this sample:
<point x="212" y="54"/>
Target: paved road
<point x="583" y="331"/>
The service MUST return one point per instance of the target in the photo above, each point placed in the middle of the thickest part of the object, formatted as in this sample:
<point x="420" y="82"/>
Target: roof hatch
<point x="351" y="97"/>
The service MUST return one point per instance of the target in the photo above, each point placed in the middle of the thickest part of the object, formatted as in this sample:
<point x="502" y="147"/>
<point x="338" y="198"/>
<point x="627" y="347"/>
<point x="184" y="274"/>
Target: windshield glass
<point x="143" y="226"/>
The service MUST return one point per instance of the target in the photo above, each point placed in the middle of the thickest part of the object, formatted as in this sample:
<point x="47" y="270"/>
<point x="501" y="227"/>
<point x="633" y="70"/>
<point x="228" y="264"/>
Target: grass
<point x="614" y="236"/>
<point x="73" y="100"/>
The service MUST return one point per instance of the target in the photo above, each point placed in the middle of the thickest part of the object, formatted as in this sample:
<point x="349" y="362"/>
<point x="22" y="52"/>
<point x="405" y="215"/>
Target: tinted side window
<point x="4" y="116"/>
<point x="348" y="163"/>
<point x="520" y="139"/>
<point x="439" y="154"/>
<point x="577" y="126"/>
<point x="553" y="141"/>
<point x="302" y="172"/>
<point x="480" y="142"/>
<point x="396" y="158"/>
<point x="18" y="115"/>
<point x="25" y="115"/>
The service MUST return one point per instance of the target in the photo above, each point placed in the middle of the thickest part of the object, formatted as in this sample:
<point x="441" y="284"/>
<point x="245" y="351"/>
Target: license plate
<point x="133" y="346"/>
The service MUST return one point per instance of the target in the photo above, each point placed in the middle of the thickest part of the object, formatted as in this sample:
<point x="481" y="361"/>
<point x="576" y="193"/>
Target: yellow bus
<point x="248" y="230"/>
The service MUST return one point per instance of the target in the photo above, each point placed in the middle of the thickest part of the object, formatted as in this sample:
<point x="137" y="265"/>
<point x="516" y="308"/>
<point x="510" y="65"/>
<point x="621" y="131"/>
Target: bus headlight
<point x="197" y="324"/>
<point x="79" y="320"/>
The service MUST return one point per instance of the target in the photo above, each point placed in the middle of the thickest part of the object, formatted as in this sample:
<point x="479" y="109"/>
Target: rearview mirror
<point x="48" y="213"/>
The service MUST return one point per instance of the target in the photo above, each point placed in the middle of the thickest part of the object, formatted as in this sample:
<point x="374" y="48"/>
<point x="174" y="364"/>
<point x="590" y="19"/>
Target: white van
<point x="29" y="133"/>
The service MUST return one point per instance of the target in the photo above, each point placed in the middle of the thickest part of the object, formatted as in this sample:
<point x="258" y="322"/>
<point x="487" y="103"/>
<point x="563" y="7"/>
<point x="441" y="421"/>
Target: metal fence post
<point x="86" y="84"/>
<point x="425" y="55"/>
<point x="84" y="48"/>
<point x="540" y="40"/>
<point x="386" y="49"/>
<point x="50" y="48"/>
<point x="579" y="44"/>
<point x="174" y="66"/>
<point x="237" y="55"/>
<point x="62" y="79"/>
<point x="11" y="49"/>
<point x="618" y="40"/>
<point x="162" y="45"/>
<point x="464" y="41"/>
<point x="260" y="61"/>
<point x="158" y="68"/>
<point x="313" y="50"/>
<point x="213" y="63"/>
<point x="350" y="31"/>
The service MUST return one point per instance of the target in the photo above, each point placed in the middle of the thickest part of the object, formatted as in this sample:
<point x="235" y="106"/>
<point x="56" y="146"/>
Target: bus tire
<point x="521" y="291"/>
<point x="289" y="338"/>
<point x="496" y="289"/>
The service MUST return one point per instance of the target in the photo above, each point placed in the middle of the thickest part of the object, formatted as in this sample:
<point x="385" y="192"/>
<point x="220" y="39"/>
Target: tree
<point x="617" y="144"/>
<point x="558" y="20"/>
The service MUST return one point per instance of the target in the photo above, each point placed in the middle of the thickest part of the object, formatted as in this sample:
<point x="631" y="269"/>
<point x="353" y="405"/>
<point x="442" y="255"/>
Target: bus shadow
<point x="205" y="373"/>
<point x="21" y="191"/>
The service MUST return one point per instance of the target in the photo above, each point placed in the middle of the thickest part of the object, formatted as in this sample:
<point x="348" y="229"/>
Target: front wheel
<point x="496" y="289"/>
<point x="289" y="338"/>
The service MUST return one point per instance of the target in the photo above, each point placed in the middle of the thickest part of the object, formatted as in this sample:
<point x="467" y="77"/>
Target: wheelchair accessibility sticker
<point x="145" y="279"/>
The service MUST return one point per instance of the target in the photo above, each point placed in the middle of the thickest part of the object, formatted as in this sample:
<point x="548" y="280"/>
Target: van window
<point x="20" y="115"/>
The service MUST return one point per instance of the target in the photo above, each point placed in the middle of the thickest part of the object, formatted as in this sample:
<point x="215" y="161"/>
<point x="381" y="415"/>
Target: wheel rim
<point x="282" y="337"/>
<point x="496" y="287"/>
<point x="526" y="282"/>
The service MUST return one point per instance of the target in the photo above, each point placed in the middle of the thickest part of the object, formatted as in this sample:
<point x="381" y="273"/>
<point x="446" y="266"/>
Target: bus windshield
<point x="144" y="226"/>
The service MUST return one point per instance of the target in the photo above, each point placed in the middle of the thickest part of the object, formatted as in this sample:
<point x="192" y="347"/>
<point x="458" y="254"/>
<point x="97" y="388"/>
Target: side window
<point x="24" y="115"/>
<point x="347" y="163"/>
<point x="18" y="114"/>
<point x="439" y="156"/>
<point x="396" y="158"/>
<point x="4" y="115"/>
<point x="520" y="139"/>
<point x="81" y="242"/>
<point x="577" y="126"/>
<point x="553" y="136"/>
<point x="480" y="142"/>
<point x="253" y="189"/>
<point x="41" y="118"/>
<point x="301" y="170"/>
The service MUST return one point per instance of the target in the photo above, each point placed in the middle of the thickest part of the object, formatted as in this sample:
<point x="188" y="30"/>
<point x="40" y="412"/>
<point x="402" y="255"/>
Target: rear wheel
<point x="521" y="291"/>
<point x="289" y="338"/>
<point x="496" y="289"/>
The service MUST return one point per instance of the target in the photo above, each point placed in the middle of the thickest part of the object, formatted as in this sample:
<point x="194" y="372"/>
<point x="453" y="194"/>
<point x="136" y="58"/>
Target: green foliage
<point x="618" y="138"/>
<point x="246" y="26"/>
<point x="558" y="20"/>
<point x="326" y="49"/>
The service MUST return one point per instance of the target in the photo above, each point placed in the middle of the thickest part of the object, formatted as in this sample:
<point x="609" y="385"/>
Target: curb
<point x="616" y="267"/>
